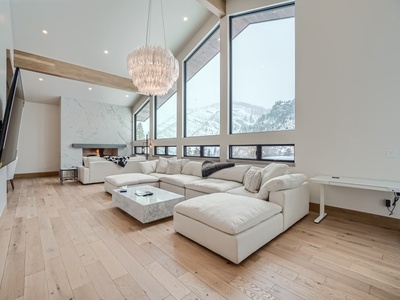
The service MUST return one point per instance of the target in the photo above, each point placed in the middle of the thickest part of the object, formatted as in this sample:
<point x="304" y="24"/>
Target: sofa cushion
<point x="228" y="213"/>
<point x="242" y="191"/>
<point x="211" y="185"/>
<point x="159" y="175"/>
<point x="192" y="168"/>
<point x="179" y="179"/>
<point x="162" y="164"/>
<point x="273" y="170"/>
<point x="130" y="179"/>
<point x="284" y="182"/>
<point x="235" y="173"/>
<point x="252" y="179"/>
<point x="148" y="167"/>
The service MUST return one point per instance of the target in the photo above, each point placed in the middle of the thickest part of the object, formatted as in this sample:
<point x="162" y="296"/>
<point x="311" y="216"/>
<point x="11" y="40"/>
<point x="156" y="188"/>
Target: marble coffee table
<point x="146" y="208"/>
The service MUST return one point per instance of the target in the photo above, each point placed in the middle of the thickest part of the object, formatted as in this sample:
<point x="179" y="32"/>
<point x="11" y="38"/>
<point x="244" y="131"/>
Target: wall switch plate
<point x="391" y="153"/>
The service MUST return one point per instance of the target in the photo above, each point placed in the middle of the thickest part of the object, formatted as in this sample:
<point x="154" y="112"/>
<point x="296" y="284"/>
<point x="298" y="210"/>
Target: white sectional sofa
<point x="95" y="168"/>
<point x="233" y="211"/>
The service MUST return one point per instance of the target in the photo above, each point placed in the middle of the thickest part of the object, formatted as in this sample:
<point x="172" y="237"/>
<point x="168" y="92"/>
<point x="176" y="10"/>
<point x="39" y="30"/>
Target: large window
<point x="165" y="115"/>
<point x="281" y="153"/>
<point x="263" y="71"/>
<point x="142" y="122"/>
<point x="202" y="89"/>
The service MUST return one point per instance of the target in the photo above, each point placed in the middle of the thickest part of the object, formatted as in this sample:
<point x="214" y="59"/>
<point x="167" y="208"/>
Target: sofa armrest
<point x="83" y="174"/>
<point x="295" y="203"/>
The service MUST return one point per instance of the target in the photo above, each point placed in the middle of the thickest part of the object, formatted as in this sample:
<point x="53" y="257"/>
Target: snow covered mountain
<point x="246" y="118"/>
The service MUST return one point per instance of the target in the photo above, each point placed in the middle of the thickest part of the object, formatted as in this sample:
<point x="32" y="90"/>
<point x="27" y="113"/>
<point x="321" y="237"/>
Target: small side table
<point x="68" y="174"/>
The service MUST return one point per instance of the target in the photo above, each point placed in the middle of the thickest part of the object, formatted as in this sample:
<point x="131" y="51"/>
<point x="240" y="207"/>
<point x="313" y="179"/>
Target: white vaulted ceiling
<point x="79" y="31"/>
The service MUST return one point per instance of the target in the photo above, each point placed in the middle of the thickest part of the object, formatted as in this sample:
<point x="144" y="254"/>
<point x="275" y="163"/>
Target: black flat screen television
<point x="11" y="122"/>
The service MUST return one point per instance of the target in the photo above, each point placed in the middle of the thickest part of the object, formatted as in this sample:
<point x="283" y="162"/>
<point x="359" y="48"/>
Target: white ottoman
<point x="113" y="182"/>
<point x="234" y="226"/>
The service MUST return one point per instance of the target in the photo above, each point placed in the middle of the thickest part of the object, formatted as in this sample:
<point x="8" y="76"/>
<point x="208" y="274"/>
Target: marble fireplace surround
<point x="87" y="122"/>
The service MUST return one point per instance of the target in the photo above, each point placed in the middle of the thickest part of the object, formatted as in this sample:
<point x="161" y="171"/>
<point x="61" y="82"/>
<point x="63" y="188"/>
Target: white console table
<point x="358" y="183"/>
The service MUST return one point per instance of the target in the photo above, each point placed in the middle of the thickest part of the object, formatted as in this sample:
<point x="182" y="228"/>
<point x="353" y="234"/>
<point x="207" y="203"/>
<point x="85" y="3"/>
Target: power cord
<point x="396" y="198"/>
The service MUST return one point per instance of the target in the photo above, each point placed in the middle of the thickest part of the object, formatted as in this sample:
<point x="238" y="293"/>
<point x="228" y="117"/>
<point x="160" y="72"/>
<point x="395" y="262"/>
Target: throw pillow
<point x="174" y="167"/>
<point x="273" y="170"/>
<point x="252" y="179"/>
<point x="148" y="167"/>
<point x="162" y="164"/>
<point x="284" y="182"/>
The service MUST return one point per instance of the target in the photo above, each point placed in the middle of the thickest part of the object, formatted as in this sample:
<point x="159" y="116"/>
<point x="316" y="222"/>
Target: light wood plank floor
<point x="69" y="242"/>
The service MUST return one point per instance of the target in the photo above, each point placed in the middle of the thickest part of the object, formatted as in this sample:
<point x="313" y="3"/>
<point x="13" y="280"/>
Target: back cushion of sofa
<point x="273" y="170"/>
<point x="162" y="164"/>
<point x="89" y="159"/>
<point x="235" y="173"/>
<point x="192" y="168"/>
<point x="148" y="167"/>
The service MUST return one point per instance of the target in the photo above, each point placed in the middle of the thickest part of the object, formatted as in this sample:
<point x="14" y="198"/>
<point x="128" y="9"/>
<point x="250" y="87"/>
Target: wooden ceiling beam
<point x="217" y="7"/>
<point x="40" y="64"/>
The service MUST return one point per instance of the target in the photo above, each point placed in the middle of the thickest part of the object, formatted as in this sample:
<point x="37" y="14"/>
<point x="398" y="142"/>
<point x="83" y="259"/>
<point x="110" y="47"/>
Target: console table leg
<point x="322" y="213"/>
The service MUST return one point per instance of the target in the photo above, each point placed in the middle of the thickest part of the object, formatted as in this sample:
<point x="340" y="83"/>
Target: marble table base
<point x="146" y="208"/>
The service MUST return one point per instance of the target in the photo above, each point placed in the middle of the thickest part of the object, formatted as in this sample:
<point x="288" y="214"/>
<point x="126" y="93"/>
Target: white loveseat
<point x="95" y="168"/>
<point x="232" y="212"/>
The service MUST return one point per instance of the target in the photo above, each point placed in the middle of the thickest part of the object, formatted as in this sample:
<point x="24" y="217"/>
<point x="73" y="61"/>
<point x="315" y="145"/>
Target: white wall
<point x="348" y="95"/>
<point x="39" y="140"/>
<point x="6" y="42"/>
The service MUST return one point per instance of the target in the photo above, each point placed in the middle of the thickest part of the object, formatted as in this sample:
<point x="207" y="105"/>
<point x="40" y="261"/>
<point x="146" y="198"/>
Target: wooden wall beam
<point x="217" y="7"/>
<point x="40" y="64"/>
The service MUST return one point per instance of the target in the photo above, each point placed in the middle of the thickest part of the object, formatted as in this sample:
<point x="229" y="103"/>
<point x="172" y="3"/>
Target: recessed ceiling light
<point x="44" y="31"/>
<point x="126" y="96"/>
<point x="105" y="51"/>
<point x="90" y="89"/>
<point x="40" y="79"/>
<point x="185" y="19"/>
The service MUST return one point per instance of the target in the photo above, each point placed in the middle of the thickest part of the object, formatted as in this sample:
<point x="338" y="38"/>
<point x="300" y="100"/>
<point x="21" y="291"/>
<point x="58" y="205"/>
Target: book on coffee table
<point x="143" y="193"/>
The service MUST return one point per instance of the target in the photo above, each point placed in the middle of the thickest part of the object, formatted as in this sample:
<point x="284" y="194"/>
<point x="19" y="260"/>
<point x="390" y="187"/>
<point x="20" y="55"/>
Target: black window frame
<point x="259" y="152"/>
<point x="147" y="102"/>
<point x="166" y="151"/>
<point x="172" y="92"/>
<point x="141" y="150"/>
<point x="185" y="78"/>
<point x="201" y="155"/>
<point x="230" y="74"/>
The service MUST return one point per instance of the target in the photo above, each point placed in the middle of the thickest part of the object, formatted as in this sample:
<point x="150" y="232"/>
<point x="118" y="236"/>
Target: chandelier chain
<point x="148" y="24"/>
<point x="163" y="25"/>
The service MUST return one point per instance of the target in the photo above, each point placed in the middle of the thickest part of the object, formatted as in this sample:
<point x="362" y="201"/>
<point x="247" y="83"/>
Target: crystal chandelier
<point x="153" y="69"/>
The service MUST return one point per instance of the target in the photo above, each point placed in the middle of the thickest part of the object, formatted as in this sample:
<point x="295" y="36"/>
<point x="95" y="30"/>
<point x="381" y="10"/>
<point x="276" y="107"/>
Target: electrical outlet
<point x="388" y="203"/>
